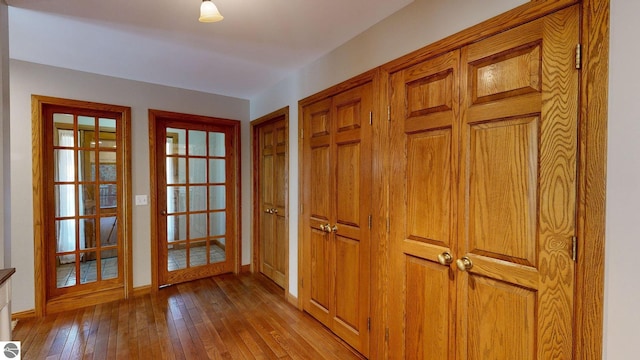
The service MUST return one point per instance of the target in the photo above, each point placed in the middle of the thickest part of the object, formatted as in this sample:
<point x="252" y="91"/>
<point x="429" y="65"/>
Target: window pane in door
<point x="216" y="144"/>
<point x="217" y="250"/>
<point x="109" y="262"/>
<point x="197" y="198"/>
<point x="87" y="233"/>
<point x="197" y="143"/>
<point x="197" y="171"/>
<point x="197" y="253"/>
<point x="64" y="169"/>
<point x="176" y="141"/>
<point x="217" y="223"/>
<point x="217" y="197"/>
<point x="65" y="235"/>
<point x="176" y="228"/>
<point x="65" y="200"/>
<point x="176" y="199"/>
<point x="217" y="170"/>
<point x="197" y="226"/>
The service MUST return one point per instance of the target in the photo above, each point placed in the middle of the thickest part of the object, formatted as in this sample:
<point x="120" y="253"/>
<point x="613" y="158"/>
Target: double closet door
<point x="337" y="202"/>
<point x="483" y="198"/>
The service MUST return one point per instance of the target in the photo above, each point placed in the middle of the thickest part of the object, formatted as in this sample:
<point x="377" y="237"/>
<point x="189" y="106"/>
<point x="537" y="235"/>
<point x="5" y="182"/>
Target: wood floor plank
<point x="226" y="317"/>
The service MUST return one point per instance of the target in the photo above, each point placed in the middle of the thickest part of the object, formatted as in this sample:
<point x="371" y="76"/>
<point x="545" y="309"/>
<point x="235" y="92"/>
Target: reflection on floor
<point x="66" y="275"/>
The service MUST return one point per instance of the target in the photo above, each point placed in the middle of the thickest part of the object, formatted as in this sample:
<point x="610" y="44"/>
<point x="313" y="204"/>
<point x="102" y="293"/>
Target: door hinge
<point x="389" y="113"/>
<point x="368" y="323"/>
<point x="370" y="117"/>
<point x="386" y="335"/>
<point x="578" y="56"/>
<point x="388" y="225"/>
<point x="574" y="248"/>
<point x="370" y="220"/>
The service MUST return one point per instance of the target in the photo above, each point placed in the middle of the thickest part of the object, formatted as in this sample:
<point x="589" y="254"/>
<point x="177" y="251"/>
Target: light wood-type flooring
<point x="225" y="317"/>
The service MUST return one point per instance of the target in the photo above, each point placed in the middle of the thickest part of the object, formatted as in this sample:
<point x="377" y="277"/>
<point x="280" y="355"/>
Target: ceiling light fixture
<point x="209" y="12"/>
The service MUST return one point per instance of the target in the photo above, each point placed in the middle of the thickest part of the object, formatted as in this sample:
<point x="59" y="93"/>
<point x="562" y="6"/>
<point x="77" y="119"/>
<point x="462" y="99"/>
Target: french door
<point x="81" y="177"/>
<point x="196" y="196"/>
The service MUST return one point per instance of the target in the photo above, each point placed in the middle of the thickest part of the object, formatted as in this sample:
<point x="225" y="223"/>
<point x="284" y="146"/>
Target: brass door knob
<point x="334" y="228"/>
<point x="445" y="258"/>
<point x="268" y="211"/>
<point x="464" y="264"/>
<point x="322" y="227"/>
<point x="274" y="211"/>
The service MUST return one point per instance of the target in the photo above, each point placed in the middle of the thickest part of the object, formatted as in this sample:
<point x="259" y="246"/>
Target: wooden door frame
<point x="589" y="286"/>
<point x="42" y="307"/>
<point x="153" y="203"/>
<point x="255" y="192"/>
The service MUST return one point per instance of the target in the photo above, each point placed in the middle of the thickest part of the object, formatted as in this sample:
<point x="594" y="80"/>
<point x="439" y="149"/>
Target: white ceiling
<point x="259" y="42"/>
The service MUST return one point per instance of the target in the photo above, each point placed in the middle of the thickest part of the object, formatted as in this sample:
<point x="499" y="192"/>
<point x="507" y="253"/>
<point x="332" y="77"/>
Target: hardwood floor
<point x="224" y="317"/>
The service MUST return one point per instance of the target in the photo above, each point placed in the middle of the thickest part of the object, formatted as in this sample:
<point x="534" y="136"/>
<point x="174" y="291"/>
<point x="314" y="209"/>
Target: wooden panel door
<point x="337" y="198"/>
<point x="481" y="262"/>
<point x="273" y="144"/>
<point x="423" y="190"/>
<point x="518" y="180"/>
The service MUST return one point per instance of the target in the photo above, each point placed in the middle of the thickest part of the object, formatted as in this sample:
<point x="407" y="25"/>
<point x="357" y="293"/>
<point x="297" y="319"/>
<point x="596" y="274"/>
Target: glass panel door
<point x="196" y="226"/>
<point x="85" y="244"/>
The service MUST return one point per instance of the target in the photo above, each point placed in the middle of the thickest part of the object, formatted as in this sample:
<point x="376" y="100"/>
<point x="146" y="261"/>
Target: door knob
<point x="334" y="228"/>
<point x="274" y="211"/>
<point x="464" y="264"/>
<point x="327" y="228"/>
<point x="322" y="227"/>
<point x="163" y="212"/>
<point x="445" y="258"/>
<point x="268" y="211"/>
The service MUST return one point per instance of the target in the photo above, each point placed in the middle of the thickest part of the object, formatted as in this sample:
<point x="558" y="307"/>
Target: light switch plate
<point x="141" y="200"/>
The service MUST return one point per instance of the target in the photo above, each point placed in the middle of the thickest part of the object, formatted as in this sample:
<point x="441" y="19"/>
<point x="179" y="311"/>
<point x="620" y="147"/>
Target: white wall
<point x="622" y="287"/>
<point x="27" y="79"/>
<point x="5" y="226"/>
<point x="420" y="23"/>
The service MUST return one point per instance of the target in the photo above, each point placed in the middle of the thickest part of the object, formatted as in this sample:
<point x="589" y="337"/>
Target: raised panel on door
<point x="352" y="199"/>
<point x="424" y="138"/>
<point x="267" y="201"/>
<point x="519" y="143"/>
<point x="317" y="287"/>
<point x="280" y="203"/>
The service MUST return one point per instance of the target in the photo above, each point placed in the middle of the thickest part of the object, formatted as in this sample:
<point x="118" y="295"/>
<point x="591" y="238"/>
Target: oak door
<point x="337" y="200"/>
<point x="272" y="138"/>
<point x="423" y="198"/>
<point x="197" y="182"/>
<point x="485" y="271"/>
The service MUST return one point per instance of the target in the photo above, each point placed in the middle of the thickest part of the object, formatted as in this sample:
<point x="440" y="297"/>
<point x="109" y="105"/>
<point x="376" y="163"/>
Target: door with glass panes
<point x="196" y="194"/>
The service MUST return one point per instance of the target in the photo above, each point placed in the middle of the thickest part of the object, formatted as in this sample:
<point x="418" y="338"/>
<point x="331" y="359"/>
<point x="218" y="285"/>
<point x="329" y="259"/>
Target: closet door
<point x="518" y="181"/>
<point x="337" y="202"/>
<point x="273" y="146"/>
<point x="424" y="138"/>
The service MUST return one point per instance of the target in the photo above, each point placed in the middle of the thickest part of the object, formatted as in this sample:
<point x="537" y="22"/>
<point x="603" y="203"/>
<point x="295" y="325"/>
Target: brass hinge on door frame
<point x="389" y="113"/>
<point x="369" y="323"/>
<point x="370" y="117"/>
<point x="578" y="56"/>
<point x="574" y="248"/>
<point x="370" y="220"/>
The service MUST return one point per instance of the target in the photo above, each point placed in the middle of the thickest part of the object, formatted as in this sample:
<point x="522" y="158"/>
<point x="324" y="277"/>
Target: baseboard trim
<point x="293" y="300"/>
<point x="24" y="315"/>
<point x="142" y="290"/>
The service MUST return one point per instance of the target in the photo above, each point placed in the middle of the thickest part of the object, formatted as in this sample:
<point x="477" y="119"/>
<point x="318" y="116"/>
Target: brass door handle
<point x="327" y="228"/>
<point x="322" y="227"/>
<point x="163" y="212"/>
<point x="464" y="264"/>
<point x="274" y="211"/>
<point x="445" y="258"/>
<point x="334" y="228"/>
<point x="268" y="211"/>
